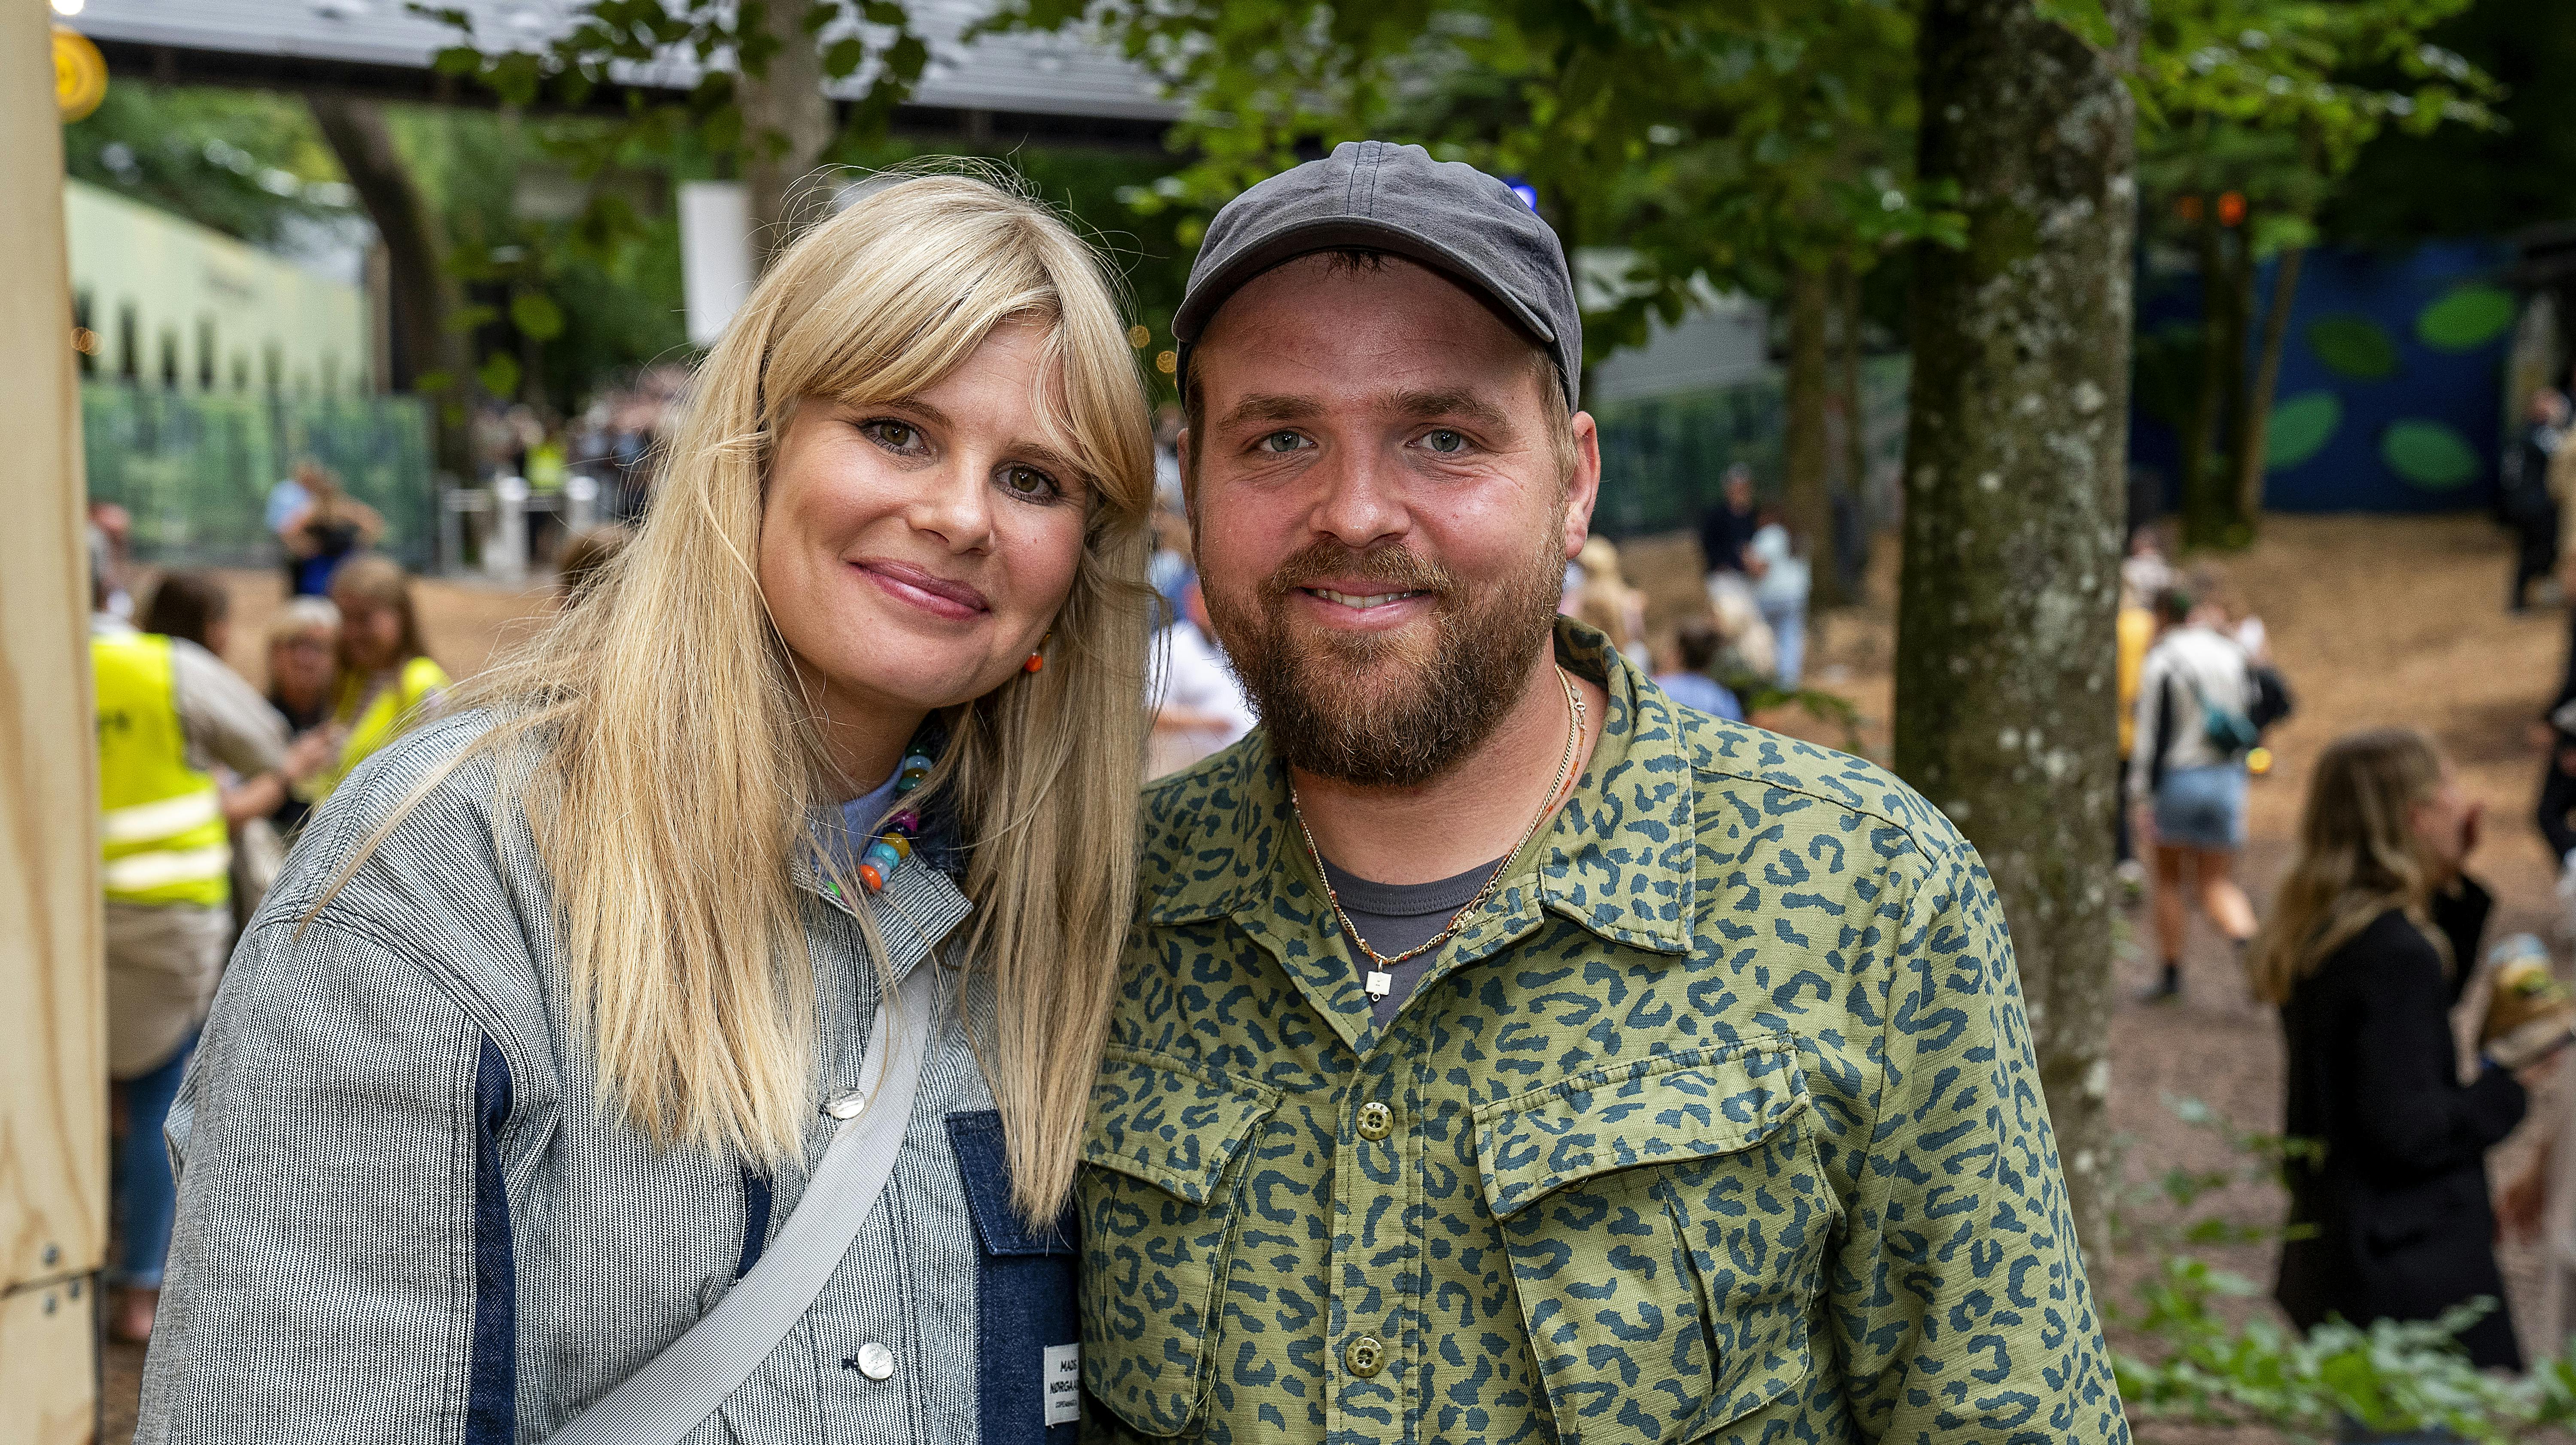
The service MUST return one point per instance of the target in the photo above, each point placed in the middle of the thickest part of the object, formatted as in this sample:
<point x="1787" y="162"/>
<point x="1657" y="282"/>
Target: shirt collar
<point x="1618" y="860"/>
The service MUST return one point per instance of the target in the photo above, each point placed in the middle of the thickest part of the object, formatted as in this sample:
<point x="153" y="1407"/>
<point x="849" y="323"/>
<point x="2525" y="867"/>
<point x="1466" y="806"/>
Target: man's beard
<point x="1372" y="708"/>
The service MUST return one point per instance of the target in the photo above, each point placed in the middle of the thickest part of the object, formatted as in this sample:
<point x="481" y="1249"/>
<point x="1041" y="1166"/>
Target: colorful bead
<point x="883" y="856"/>
<point x="905" y="820"/>
<point x="896" y="844"/>
<point x="869" y="875"/>
<point x="916" y="763"/>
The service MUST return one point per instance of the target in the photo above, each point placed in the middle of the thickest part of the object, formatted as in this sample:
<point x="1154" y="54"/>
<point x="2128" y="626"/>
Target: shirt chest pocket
<point x="1666" y="1224"/>
<point x="1165" y="1154"/>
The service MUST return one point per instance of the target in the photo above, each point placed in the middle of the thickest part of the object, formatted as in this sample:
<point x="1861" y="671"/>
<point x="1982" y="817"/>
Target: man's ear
<point x="1583" y="489"/>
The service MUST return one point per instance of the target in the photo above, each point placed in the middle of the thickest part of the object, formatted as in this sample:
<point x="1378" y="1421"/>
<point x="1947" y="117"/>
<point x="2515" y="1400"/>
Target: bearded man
<point x="1507" y="1053"/>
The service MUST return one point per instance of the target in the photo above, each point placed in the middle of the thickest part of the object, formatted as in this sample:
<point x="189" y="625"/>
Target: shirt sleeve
<point x="333" y="1150"/>
<point x="1958" y="1297"/>
<point x="224" y="718"/>
<point x="2145" y="738"/>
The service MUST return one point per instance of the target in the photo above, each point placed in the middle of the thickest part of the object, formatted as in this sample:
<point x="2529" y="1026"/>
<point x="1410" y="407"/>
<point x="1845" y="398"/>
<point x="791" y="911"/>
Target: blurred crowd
<point x="204" y="778"/>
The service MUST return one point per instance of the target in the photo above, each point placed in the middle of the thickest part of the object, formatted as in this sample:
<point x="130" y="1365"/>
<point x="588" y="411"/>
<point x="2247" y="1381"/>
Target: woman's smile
<point x="939" y="596"/>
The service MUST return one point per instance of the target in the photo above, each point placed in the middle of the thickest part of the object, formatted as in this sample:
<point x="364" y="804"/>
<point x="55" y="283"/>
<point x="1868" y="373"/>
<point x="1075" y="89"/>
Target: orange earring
<point x="1037" y="660"/>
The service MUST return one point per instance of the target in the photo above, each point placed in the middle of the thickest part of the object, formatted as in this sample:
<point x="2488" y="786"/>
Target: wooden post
<point x="53" y="1064"/>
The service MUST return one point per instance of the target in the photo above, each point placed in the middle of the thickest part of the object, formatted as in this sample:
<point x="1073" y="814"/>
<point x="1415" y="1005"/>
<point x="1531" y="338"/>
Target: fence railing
<point x="194" y="469"/>
<point x="1664" y="458"/>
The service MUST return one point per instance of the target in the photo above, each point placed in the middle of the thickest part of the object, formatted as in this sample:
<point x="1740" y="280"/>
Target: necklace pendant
<point x="1380" y="983"/>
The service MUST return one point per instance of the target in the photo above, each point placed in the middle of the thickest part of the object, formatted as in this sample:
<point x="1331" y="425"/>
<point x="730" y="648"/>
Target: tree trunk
<point x="2201" y="523"/>
<point x="787" y="123"/>
<point x="2015" y="495"/>
<point x="1847" y="300"/>
<point x="2251" y="463"/>
<point x="422" y="293"/>
<point x="1806" y="501"/>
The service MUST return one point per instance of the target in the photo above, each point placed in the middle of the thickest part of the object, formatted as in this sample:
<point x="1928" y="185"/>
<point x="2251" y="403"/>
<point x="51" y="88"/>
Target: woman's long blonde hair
<point x="2358" y="857"/>
<point x="675" y="765"/>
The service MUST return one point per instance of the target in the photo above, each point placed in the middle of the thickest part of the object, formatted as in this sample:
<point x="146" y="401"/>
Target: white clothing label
<point x="1063" y="1384"/>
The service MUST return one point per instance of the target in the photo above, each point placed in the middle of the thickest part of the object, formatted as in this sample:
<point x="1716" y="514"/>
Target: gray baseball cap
<point x="1447" y="215"/>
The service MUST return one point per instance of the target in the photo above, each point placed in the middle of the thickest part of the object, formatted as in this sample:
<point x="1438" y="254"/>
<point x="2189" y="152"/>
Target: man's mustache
<point x="1387" y="563"/>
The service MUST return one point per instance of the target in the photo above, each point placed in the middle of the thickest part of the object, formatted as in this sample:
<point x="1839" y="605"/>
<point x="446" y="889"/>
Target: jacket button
<point x="1376" y="1120"/>
<point x="875" y="1361"/>
<point x="846" y="1106"/>
<point x="1365" y="1355"/>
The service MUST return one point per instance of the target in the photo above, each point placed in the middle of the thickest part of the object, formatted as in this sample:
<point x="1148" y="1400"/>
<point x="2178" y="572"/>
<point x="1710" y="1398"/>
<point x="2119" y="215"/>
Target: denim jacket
<point x="402" y="1216"/>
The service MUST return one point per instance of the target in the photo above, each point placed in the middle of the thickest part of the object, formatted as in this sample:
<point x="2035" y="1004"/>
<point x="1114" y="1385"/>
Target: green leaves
<point x="536" y="316"/>
<point x="1713" y="145"/>
<point x="499" y="374"/>
<point x="2212" y="1364"/>
<point x="867" y="50"/>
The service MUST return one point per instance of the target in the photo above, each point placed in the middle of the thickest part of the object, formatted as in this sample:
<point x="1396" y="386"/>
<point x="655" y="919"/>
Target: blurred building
<point x="173" y="304"/>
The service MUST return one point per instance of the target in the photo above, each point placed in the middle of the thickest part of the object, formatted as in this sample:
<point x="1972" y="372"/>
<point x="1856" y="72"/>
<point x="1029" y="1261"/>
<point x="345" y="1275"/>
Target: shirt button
<point x="1376" y="1120"/>
<point x="847" y="1107"/>
<point x="1365" y="1355"/>
<point x="875" y="1361"/>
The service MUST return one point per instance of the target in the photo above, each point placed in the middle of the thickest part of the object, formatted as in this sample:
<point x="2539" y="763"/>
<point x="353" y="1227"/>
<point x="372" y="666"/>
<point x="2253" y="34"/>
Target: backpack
<point x="2272" y="700"/>
<point x="2230" y="733"/>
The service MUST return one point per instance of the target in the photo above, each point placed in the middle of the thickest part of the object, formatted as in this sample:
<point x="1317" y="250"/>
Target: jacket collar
<point x="1610" y="862"/>
<point x="919" y="905"/>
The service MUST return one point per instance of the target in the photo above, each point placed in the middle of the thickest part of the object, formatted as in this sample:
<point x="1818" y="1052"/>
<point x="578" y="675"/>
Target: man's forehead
<point x="1343" y="332"/>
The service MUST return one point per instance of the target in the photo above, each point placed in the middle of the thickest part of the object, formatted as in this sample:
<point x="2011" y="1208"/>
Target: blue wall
<point x="2391" y="391"/>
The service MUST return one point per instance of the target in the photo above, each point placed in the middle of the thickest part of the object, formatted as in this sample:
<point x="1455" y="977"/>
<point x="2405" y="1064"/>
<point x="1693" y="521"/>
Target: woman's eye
<point x="896" y="436"/>
<point x="1030" y="483"/>
<point x="1282" y="441"/>
<point x="1444" y="442"/>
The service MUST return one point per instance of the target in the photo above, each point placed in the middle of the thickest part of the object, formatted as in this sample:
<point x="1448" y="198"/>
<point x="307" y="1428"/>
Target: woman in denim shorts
<point x="2188" y="786"/>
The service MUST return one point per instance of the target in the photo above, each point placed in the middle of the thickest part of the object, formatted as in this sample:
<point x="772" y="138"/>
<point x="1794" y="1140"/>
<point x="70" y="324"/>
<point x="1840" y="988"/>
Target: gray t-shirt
<point x="1396" y="916"/>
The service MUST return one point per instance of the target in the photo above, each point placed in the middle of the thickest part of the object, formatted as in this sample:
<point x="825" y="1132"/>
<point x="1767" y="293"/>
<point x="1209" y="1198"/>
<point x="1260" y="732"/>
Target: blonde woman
<point x="2371" y="941"/>
<point x="387" y="678"/>
<point x="1606" y="602"/>
<point x="543" y="1098"/>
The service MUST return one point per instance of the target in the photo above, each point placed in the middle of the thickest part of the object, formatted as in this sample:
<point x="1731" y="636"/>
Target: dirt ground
<point x="2374" y="621"/>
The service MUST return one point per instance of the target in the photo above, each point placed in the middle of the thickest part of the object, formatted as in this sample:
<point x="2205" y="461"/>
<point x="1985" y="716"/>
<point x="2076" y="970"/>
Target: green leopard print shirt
<point x="1719" y="1122"/>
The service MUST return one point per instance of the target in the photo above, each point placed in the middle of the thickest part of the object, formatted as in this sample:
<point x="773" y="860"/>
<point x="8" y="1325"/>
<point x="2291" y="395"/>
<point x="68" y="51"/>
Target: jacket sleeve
<point x="1959" y="1301"/>
<point x="2461" y="914"/>
<point x="340" y="1266"/>
<point x="223" y="717"/>
<point x="2411" y="1115"/>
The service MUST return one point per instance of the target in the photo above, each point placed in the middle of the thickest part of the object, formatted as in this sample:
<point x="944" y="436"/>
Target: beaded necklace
<point x="894" y="845"/>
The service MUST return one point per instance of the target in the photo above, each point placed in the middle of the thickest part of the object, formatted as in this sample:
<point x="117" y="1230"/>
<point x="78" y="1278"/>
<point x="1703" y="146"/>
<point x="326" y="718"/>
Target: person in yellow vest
<point x="169" y="713"/>
<point x="387" y="678"/>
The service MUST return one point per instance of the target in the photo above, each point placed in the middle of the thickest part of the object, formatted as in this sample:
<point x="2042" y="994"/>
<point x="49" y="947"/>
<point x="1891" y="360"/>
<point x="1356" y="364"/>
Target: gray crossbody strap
<point x="679" y="1388"/>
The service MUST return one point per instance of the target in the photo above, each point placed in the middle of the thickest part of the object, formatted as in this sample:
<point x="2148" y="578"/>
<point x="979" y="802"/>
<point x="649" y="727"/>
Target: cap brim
<point x="1328" y="233"/>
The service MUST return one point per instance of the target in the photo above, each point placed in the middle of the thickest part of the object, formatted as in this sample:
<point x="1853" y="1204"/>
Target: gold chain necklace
<point x="1381" y="979"/>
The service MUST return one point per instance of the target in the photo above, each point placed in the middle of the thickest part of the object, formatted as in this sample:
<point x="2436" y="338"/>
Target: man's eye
<point x="897" y="436"/>
<point x="1282" y="441"/>
<point x="1444" y="441"/>
<point x="1030" y="483"/>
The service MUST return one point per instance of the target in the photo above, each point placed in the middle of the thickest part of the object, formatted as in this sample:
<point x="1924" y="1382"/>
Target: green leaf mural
<point x="2301" y="426"/>
<point x="2466" y="318"/>
<point x="2353" y="346"/>
<point x="2429" y="454"/>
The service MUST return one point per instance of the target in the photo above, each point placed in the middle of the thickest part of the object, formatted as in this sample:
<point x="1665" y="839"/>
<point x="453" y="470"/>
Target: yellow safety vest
<point x="162" y="822"/>
<point x="379" y="721"/>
